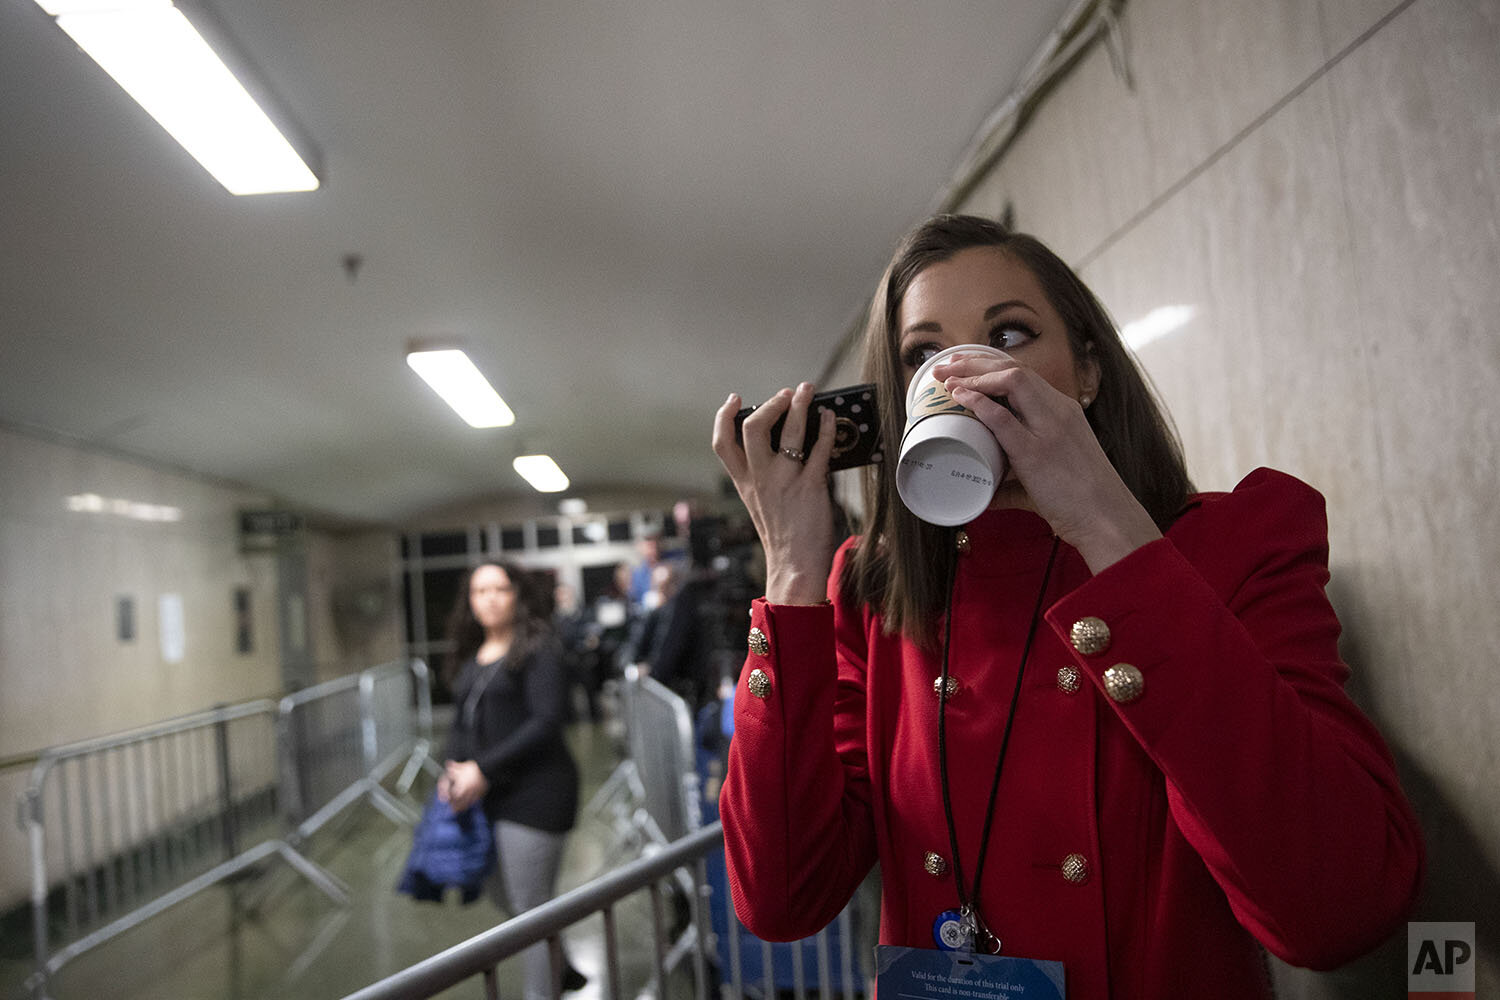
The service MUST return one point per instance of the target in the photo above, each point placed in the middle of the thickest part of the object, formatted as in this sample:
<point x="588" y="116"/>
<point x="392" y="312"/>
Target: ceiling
<point x="623" y="211"/>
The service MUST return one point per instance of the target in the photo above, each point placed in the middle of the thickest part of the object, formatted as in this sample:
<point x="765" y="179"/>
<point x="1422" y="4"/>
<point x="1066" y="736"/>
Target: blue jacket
<point x="448" y="849"/>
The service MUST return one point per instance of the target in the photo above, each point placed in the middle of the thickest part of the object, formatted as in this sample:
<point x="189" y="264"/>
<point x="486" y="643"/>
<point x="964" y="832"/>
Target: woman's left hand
<point x="1054" y="456"/>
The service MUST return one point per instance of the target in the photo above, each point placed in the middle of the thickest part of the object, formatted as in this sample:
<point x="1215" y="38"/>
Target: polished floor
<point x="280" y="938"/>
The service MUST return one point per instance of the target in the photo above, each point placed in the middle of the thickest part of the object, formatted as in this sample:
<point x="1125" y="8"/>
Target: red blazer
<point x="1147" y="844"/>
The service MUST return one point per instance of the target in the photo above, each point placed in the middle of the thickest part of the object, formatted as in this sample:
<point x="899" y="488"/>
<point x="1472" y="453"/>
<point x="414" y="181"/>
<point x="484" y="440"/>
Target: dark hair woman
<point x="1153" y="672"/>
<point x="506" y="748"/>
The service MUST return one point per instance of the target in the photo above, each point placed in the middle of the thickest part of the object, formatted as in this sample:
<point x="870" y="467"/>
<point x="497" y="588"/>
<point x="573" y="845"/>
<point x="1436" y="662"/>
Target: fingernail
<point x="732" y="397"/>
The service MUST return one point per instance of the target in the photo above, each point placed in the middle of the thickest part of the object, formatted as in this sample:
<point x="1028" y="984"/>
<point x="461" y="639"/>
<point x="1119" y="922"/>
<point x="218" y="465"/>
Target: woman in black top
<point x="506" y="748"/>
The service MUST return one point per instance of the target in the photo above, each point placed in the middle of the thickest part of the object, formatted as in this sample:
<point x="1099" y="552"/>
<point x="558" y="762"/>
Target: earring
<point x="1085" y="401"/>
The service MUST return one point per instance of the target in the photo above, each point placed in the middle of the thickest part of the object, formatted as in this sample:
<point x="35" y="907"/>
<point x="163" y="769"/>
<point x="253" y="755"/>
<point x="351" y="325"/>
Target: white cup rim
<point x="941" y="356"/>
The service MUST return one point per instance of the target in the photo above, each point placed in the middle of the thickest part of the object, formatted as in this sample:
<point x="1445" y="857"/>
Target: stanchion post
<point x="228" y="826"/>
<point x="31" y="819"/>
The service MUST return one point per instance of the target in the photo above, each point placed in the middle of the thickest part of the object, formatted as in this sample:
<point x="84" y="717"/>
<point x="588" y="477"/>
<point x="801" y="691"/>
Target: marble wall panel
<point x="1268" y="370"/>
<point x="1344" y="21"/>
<point x="1103" y="152"/>
<point x="1418" y="107"/>
<point x="32" y="650"/>
<point x="1206" y="71"/>
<point x="1161" y="263"/>
<point x="1085" y="172"/>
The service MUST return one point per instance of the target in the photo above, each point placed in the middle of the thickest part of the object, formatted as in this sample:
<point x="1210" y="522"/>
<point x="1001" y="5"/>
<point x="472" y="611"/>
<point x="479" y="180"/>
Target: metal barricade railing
<point x="340" y="740"/>
<point x="655" y="796"/>
<point x="479" y="955"/>
<point x="125" y="826"/>
<point x="659" y="734"/>
<point x="651" y="797"/>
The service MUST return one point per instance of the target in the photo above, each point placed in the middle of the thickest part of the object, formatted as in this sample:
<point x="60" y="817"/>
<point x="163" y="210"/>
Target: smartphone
<point x="856" y="422"/>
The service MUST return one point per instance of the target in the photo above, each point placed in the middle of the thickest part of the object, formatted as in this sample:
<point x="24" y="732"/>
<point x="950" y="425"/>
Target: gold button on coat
<point x="935" y="863"/>
<point x="1075" y="868"/>
<point x="1068" y="680"/>
<point x="759" y="683"/>
<point x="1089" y="636"/>
<point x="953" y="686"/>
<point x="1123" y="683"/>
<point x="961" y="542"/>
<point x="759" y="644"/>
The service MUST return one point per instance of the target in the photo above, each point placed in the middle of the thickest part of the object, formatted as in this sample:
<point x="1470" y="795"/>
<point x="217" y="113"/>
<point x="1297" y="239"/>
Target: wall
<point x="64" y="675"/>
<point x="1320" y="181"/>
<point x="355" y="584"/>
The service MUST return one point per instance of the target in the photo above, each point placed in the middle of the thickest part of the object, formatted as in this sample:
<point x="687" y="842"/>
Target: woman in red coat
<point x="1102" y="724"/>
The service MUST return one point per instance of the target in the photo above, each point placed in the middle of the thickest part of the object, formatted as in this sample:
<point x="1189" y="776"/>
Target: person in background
<point x="572" y="628"/>
<point x="506" y="748"/>
<point x="641" y="583"/>
<point x="673" y="642"/>
<point x="1103" y="723"/>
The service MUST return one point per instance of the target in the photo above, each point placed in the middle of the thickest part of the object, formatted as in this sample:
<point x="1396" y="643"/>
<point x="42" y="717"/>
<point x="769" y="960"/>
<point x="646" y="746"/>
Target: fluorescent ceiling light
<point x="453" y="376"/>
<point x="93" y="503"/>
<point x="161" y="60"/>
<point x="541" y="472"/>
<point x="1155" y="325"/>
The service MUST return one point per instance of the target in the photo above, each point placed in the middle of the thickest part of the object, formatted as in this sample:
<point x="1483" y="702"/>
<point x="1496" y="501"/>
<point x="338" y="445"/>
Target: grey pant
<point x="526" y="877"/>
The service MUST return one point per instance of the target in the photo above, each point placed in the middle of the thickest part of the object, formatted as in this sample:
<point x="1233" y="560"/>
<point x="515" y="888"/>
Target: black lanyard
<point x="970" y="905"/>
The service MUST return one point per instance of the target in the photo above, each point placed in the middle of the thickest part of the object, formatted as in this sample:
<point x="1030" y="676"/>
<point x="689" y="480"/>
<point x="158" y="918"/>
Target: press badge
<point x="924" y="974"/>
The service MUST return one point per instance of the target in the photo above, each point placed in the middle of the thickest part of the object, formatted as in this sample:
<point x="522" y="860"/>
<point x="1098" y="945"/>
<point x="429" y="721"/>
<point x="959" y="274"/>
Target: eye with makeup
<point x="1006" y="336"/>
<point x="1011" y="334"/>
<point x="914" y="356"/>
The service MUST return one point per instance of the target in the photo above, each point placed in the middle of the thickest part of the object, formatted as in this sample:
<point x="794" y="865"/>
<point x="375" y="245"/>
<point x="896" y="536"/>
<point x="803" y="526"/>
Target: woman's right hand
<point x="787" y="499"/>
<point x="462" y="784"/>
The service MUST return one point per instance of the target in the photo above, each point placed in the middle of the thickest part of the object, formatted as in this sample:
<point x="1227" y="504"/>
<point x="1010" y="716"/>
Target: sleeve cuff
<point x="789" y="668"/>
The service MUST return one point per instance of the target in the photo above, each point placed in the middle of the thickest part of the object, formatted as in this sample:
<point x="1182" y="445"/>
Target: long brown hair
<point x="532" y="623"/>
<point x="902" y="565"/>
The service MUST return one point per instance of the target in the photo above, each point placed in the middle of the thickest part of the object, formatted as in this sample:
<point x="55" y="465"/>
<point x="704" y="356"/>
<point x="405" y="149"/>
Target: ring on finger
<point x="795" y="454"/>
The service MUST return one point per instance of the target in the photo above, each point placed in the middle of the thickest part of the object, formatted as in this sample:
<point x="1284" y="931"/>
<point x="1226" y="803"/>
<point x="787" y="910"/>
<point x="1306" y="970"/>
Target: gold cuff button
<point x="759" y="683"/>
<point x="935" y="863"/>
<point x="961" y="542"/>
<point x="1089" y="636"/>
<point x="1123" y="683"/>
<point x="1075" y="868"/>
<point x="1068" y="680"/>
<point x="953" y="687"/>
<point x="759" y="644"/>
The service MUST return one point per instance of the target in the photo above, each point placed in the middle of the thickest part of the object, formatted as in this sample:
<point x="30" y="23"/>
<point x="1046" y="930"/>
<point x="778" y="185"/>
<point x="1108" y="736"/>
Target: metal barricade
<point x="660" y="788"/>
<point x="659" y="734"/>
<point x="125" y="826"/>
<point x="340" y="740"/>
<point x="479" y="955"/>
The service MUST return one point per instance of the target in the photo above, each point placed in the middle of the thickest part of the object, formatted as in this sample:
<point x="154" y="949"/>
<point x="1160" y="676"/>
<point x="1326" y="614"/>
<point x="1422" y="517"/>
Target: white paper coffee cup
<point x="949" y="463"/>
